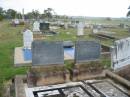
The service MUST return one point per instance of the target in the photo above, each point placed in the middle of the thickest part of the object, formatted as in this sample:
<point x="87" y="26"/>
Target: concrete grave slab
<point x="87" y="88"/>
<point x="113" y="91"/>
<point x="19" y="58"/>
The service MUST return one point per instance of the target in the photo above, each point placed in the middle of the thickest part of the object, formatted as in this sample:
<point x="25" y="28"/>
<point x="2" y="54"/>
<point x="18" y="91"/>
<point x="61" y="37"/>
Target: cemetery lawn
<point x="10" y="37"/>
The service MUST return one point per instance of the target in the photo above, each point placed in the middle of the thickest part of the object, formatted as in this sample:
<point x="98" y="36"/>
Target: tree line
<point x="34" y="14"/>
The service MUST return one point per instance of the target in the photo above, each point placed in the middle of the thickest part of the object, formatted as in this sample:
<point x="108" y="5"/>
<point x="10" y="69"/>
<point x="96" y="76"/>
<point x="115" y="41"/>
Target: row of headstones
<point x="52" y="53"/>
<point x="120" y="53"/>
<point x="37" y="26"/>
<point x="28" y="34"/>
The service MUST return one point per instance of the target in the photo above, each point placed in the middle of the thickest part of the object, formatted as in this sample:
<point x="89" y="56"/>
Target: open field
<point x="11" y="37"/>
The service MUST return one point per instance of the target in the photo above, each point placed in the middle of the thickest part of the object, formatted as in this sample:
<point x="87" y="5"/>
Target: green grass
<point x="10" y="38"/>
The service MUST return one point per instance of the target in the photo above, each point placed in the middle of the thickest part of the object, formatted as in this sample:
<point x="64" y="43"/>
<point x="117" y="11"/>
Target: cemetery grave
<point x="45" y="29"/>
<point x="85" y="88"/>
<point x="25" y="55"/>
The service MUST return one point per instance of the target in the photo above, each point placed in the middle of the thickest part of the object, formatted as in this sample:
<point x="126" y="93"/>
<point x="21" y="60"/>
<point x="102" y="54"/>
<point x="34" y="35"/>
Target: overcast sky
<point x="96" y="8"/>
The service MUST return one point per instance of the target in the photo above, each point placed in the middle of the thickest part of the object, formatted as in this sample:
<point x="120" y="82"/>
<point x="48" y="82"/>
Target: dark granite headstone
<point x="44" y="26"/>
<point x="47" y="53"/>
<point x="86" y="51"/>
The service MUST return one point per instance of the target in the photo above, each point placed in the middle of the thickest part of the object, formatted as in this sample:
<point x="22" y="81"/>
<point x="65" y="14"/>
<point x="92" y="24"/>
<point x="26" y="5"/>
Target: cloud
<point x="107" y="8"/>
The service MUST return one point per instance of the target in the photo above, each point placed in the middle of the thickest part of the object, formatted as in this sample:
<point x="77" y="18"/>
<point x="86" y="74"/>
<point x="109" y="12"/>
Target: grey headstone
<point x="47" y="53"/>
<point x="87" y="51"/>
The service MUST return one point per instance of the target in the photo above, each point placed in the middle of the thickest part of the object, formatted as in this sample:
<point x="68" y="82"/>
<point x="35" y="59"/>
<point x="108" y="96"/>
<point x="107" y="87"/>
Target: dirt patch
<point x="91" y="67"/>
<point x="46" y="75"/>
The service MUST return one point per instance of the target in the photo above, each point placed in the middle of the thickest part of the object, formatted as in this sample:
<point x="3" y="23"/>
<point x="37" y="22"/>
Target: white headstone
<point x="66" y="25"/>
<point x="80" y="28"/>
<point x="120" y="53"/>
<point x="95" y="31"/>
<point x="36" y="26"/>
<point x="16" y="21"/>
<point x="27" y="39"/>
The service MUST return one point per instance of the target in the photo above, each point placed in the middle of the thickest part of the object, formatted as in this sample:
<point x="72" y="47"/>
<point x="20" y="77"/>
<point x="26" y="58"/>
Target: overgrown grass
<point x="10" y="37"/>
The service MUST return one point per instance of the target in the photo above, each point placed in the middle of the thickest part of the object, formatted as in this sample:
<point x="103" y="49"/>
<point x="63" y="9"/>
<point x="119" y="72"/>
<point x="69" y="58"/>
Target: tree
<point x="35" y="14"/>
<point x="2" y="14"/>
<point x="18" y="15"/>
<point x="29" y="15"/>
<point x="11" y="14"/>
<point x="128" y="13"/>
<point x="48" y="13"/>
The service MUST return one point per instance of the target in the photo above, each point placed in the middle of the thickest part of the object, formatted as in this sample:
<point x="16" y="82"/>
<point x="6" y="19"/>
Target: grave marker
<point x="47" y="53"/>
<point x="86" y="51"/>
<point x="27" y="39"/>
<point x="36" y="26"/>
<point x="16" y="22"/>
<point x="44" y="26"/>
<point x="66" y="25"/>
<point x="80" y="29"/>
<point x="120" y="53"/>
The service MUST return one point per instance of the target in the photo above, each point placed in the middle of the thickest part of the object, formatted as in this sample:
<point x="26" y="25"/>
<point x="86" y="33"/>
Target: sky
<point x="91" y="8"/>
